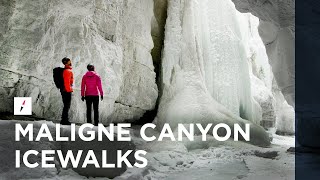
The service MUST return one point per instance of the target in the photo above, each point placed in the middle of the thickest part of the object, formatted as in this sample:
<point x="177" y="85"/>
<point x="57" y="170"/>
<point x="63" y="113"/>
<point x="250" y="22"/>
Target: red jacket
<point x="68" y="79"/>
<point x="91" y="84"/>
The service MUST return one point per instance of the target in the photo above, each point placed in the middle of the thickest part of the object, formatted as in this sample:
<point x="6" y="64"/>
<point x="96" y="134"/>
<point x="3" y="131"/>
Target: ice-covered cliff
<point x="203" y="56"/>
<point x="205" y="73"/>
<point x="275" y="110"/>
<point x="277" y="30"/>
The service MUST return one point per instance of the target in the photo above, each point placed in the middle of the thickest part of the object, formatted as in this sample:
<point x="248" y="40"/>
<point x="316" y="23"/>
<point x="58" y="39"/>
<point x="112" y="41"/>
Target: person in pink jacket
<point x="91" y="87"/>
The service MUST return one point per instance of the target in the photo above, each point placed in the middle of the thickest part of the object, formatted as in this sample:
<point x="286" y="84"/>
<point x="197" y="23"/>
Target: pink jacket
<point x="91" y="83"/>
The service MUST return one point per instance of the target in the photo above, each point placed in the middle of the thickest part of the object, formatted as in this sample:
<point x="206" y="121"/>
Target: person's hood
<point x="67" y="67"/>
<point x="90" y="73"/>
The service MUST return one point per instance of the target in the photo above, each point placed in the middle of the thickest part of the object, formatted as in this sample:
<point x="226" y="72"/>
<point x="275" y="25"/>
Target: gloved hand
<point x="82" y="98"/>
<point x="101" y="98"/>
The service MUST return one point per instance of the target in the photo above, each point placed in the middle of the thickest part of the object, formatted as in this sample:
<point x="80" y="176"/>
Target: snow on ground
<point x="215" y="160"/>
<point x="180" y="160"/>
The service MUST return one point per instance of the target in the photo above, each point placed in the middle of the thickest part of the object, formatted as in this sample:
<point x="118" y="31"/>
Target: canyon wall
<point x="113" y="35"/>
<point x="188" y="61"/>
<point x="277" y="30"/>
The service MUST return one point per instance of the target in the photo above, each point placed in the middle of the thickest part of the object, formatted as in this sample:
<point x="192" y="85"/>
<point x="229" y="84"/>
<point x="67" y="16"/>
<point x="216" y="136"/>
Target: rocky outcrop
<point x="113" y="35"/>
<point x="138" y="92"/>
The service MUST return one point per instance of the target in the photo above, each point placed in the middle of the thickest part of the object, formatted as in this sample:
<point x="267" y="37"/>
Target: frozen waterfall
<point x="211" y="67"/>
<point x="205" y="69"/>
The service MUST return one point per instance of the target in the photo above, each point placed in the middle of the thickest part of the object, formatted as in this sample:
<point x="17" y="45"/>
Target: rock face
<point x="285" y="123"/>
<point x="113" y="35"/>
<point x="277" y="30"/>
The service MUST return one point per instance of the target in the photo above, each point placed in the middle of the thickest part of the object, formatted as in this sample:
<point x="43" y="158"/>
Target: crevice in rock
<point x="157" y="32"/>
<point x="22" y="74"/>
<point x="117" y="102"/>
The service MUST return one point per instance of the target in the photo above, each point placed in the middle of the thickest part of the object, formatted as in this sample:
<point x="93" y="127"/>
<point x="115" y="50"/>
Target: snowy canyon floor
<point x="169" y="160"/>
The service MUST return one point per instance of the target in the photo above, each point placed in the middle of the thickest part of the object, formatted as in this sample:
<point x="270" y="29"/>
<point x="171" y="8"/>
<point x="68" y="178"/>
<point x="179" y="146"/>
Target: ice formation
<point x="204" y="72"/>
<point x="275" y="110"/>
<point x="277" y="30"/>
<point x="186" y="76"/>
<point x="192" y="61"/>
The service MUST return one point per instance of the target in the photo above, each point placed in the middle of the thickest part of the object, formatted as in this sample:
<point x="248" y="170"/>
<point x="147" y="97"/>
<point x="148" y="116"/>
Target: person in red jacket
<point x="66" y="92"/>
<point x="91" y="87"/>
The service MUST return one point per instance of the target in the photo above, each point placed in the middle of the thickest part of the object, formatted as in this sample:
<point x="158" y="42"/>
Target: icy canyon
<point x="189" y="61"/>
<point x="185" y="61"/>
<point x="160" y="61"/>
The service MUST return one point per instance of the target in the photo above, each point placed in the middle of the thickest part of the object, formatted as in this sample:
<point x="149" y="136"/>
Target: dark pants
<point x="93" y="100"/>
<point x="66" y="99"/>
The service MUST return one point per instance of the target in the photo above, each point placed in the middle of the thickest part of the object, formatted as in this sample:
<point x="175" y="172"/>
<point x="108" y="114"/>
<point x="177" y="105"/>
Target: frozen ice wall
<point x="275" y="110"/>
<point x="212" y="46"/>
<point x="277" y="30"/>
<point x="226" y="67"/>
<point x="259" y="68"/>
<point x="205" y="73"/>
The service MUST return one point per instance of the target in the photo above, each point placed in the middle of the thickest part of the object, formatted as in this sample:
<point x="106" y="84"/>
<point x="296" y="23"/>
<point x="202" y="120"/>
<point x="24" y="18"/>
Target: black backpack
<point x="58" y="77"/>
